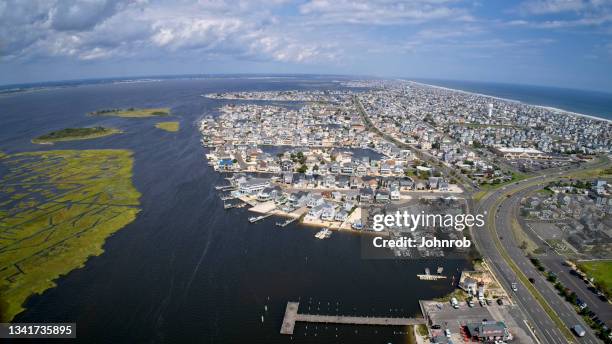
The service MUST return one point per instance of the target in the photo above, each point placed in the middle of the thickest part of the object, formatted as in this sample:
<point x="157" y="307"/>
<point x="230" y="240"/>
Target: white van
<point x="454" y="303"/>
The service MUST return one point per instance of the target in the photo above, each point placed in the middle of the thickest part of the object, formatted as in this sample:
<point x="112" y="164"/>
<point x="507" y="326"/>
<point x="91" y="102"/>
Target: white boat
<point x="323" y="234"/>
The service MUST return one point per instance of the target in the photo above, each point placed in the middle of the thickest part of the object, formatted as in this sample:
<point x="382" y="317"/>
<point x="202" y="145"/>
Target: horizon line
<point x="408" y="78"/>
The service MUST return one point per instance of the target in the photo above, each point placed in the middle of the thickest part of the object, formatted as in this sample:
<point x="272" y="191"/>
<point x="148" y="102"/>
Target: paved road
<point x="421" y="154"/>
<point x="507" y="212"/>
<point x="554" y="262"/>
<point x="545" y="328"/>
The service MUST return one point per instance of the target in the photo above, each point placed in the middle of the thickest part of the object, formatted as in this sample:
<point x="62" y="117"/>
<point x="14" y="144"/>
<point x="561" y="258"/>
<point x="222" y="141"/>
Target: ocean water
<point x="186" y="270"/>
<point x="593" y="103"/>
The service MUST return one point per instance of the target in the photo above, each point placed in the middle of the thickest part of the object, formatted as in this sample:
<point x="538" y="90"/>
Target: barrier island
<point x="168" y="126"/>
<point x="132" y="112"/>
<point x="71" y="134"/>
<point x="56" y="210"/>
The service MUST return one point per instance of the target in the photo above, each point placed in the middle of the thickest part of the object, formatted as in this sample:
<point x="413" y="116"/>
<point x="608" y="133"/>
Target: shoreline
<point x="550" y="108"/>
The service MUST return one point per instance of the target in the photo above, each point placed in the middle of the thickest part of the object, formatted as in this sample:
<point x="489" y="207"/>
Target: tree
<point x="302" y="169"/>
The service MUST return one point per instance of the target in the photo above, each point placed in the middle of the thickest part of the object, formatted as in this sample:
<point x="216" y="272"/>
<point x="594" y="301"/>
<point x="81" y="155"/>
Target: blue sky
<point x="564" y="43"/>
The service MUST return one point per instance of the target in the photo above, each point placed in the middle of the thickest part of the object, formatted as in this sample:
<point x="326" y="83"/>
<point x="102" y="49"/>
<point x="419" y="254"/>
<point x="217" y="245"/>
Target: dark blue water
<point x="592" y="103"/>
<point x="186" y="271"/>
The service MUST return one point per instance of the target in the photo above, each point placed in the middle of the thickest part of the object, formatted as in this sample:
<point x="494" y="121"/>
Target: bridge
<point x="292" y="316"/>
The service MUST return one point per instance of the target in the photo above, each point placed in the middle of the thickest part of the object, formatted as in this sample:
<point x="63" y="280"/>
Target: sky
<point x="563" y="43"/>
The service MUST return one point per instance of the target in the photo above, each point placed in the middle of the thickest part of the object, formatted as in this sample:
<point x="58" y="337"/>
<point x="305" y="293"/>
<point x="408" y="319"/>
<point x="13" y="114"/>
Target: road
<point x="555" y="262"/>
<point x="501" y="208"/>
<point x="538" y="303"/>
<point x="422" y="155"/>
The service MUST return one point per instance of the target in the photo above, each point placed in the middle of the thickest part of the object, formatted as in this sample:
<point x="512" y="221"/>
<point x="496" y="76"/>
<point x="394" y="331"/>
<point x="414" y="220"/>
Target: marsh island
<point x="71" y="134"/>
<point x="56" y="210"/>
<point x="168" y="126"/>
<point x="132" y="112"/>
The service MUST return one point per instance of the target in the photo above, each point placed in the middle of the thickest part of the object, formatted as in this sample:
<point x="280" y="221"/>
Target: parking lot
<point x="447" y="317"/>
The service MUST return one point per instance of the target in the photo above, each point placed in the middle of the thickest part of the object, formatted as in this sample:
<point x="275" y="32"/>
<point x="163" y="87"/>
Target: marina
<point x="292" y="316"/>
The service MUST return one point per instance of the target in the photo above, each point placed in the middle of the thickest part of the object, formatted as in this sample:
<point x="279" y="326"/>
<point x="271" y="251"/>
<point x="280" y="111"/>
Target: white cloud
<point x="382" y="12"/>
<point x="559" y="6"/>
<point x="103" y="29"/>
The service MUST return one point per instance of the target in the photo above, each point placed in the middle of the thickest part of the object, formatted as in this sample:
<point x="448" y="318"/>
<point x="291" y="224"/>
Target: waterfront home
<point x="342" y="215"/>
<point x="253" y="186"/>
<point x="315" y="212"/>
<point x="315" y="200"/>
<point x="299" y="199"/>
<point x="328" y="212"/>
<point x="269" y="193"/>
<point x="226" y="164"/>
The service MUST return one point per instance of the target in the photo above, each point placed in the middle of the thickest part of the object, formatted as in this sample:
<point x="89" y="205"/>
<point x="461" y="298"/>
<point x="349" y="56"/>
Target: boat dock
<point x="255" y="219"/>
<point x="227" y="206"/>
<point x="428" y="277"/>
<point x="292" y="316"/>
<point x="284" y="224"/>
<point x="225" y="188"/>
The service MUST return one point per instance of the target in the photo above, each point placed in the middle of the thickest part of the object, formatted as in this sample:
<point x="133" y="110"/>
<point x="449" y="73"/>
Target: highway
<point x="555" y="262"/>
<point x="547" y="312"/>
<point x="497" y="239"/>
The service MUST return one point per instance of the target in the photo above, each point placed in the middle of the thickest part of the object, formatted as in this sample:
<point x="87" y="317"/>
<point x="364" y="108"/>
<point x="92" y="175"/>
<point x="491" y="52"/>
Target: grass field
<point x="601" y="271"/>
<point x="56" y="210"/>
<point x="168" y="126"/>
<point x="71" y="134"/>
<point x="133" y="112"/>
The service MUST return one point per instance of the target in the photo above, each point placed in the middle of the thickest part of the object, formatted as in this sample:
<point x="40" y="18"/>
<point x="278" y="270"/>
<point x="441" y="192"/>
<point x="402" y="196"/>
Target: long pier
<point x="292" y="316"/>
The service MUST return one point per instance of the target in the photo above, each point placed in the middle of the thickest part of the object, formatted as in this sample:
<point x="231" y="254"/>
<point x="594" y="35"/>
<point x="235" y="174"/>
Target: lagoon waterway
<point x="186" y="270"/>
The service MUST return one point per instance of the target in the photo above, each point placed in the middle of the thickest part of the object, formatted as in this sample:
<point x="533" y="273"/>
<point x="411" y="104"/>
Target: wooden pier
<point x="428" y="277"/>
<point x="292" y="316"/>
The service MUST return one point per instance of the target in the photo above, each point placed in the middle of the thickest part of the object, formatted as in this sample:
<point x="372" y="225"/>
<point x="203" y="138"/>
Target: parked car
<point x="436" y="327"/>
<point x="447" y="332"/>
<point x="579" y="330"/>
<point x="500" y="302"/>
<point x="454" y="303"/>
